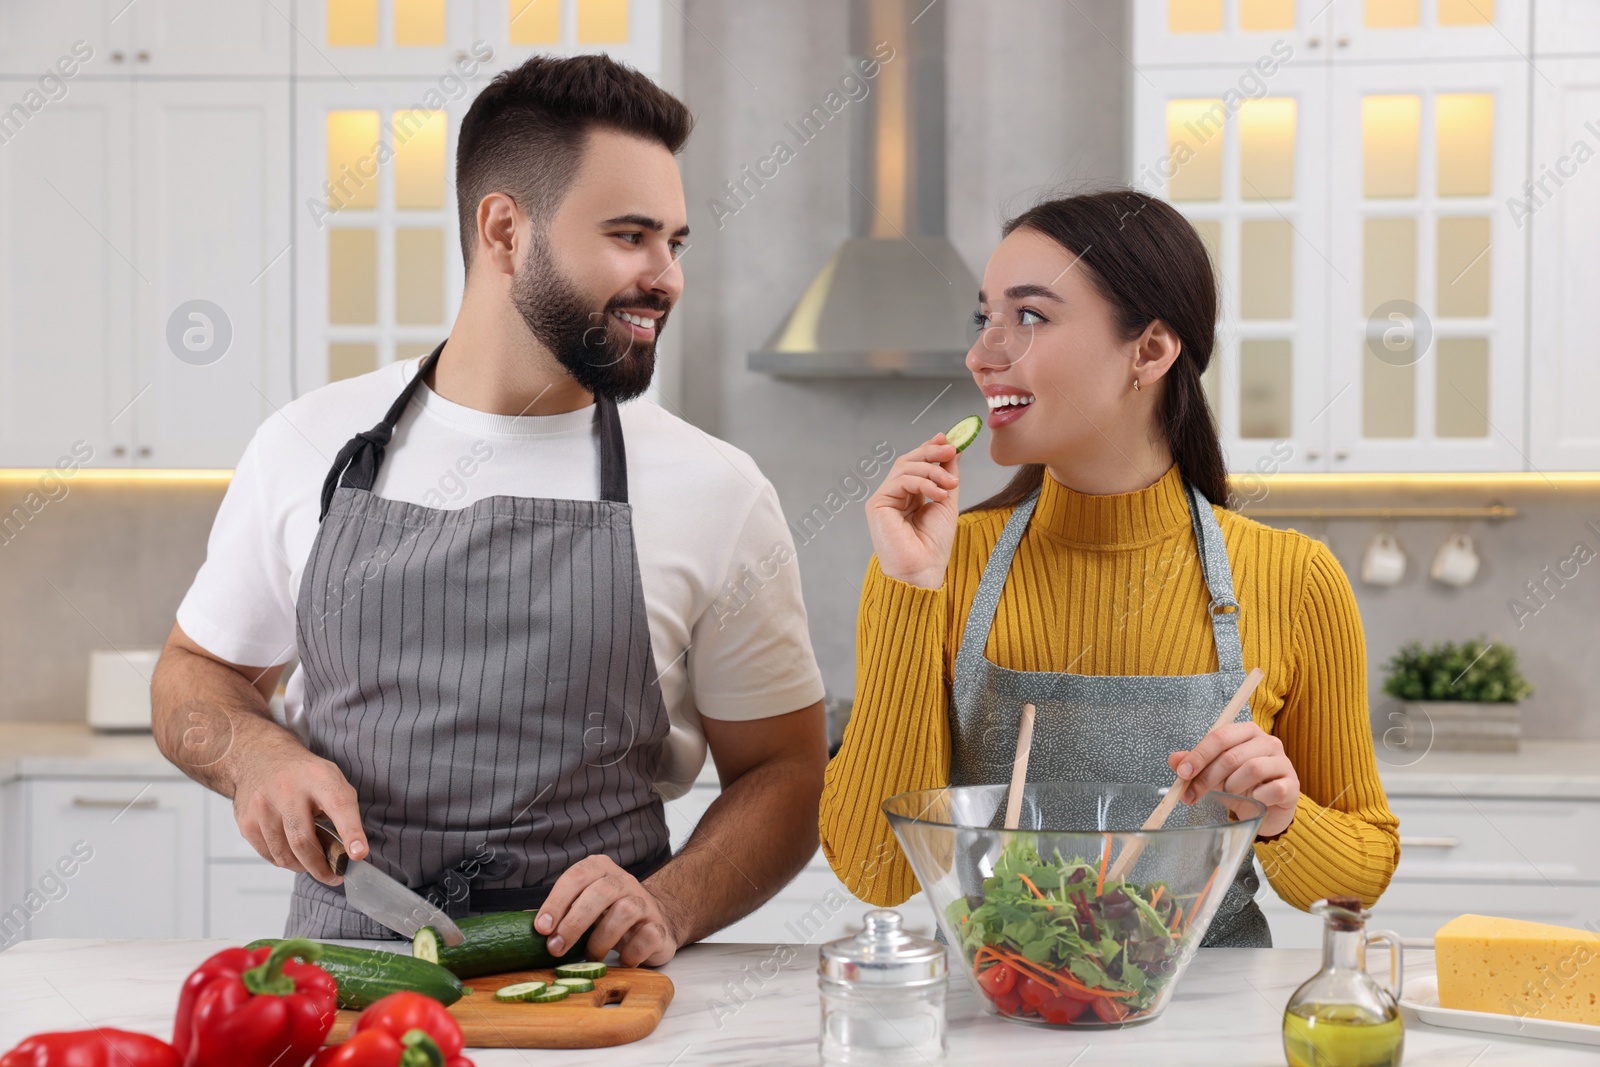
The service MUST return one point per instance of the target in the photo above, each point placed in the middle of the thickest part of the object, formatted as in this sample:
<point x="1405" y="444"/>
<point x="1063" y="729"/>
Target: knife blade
<point x="382" y="899"/>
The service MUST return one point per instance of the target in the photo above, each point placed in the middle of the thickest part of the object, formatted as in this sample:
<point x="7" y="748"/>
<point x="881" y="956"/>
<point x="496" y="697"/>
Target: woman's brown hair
<point x="1148" y="263"/>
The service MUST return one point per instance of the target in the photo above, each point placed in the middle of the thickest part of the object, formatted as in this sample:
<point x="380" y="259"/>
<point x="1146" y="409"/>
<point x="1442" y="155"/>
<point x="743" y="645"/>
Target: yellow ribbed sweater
<point x="1112" y="585"/>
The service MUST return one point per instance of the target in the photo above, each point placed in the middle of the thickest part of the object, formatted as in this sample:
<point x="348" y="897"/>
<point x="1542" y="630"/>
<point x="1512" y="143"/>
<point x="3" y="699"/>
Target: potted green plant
<point x="1459" y="696"/>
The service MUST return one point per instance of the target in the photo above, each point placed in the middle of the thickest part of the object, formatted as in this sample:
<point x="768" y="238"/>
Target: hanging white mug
<point x="1456" y="562"/>
<point x="1384" y="562"/>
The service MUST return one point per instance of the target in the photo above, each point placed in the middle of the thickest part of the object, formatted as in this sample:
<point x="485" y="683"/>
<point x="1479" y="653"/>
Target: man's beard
<point x="585" y="340"/>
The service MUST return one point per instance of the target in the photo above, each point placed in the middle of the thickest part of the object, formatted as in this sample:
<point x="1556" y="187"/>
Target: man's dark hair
<point x="524" y="135"/>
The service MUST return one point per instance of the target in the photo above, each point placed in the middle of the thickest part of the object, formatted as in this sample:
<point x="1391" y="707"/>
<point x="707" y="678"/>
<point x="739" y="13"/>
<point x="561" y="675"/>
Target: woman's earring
<point x="1136" y="385"/>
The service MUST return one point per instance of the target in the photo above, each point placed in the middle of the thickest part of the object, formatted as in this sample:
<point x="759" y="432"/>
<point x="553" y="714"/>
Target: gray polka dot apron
<point x="1102" y="728"/>
<point x="483" y="677"/>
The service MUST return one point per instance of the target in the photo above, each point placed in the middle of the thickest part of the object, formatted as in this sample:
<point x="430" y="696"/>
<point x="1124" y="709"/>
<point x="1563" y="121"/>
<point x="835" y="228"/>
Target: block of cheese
<point x="1512" y="967"/>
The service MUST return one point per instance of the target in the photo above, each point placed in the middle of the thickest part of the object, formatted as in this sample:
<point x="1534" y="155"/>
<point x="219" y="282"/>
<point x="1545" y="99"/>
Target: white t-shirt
<point x="721" y="587"/>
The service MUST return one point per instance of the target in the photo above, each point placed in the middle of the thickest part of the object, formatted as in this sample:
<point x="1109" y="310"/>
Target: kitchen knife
<point x="381" y="898"/>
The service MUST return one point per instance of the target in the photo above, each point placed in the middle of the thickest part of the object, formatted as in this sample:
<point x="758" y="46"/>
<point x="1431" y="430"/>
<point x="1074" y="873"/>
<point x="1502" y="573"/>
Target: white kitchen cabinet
<point x="33" y="36"/>
<point x="1412" y="30"/>
<point x="1561" y="211"/>
<point x="1227" y="33"/>
<point x="212" y="181"/>
<point x="136" y="853"/>
<point x="353" y="40"/>
<point x="246" y="900"/>
<point x="1427" y="268"/>
<point x="229" y="38"/>
<point x="1565" y="28"/>
<point x="1245" y="172"/>
<point x="67" y="283"/>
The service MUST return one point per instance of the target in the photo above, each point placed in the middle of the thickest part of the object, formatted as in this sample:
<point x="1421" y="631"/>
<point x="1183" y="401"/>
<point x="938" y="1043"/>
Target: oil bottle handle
<point x="1396" y="958"/>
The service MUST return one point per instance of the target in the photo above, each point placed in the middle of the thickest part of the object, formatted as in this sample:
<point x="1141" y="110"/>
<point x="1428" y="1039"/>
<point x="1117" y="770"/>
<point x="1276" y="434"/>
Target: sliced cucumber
<point x="581" y="969"/>
<point x="575" y="985"/>
<point x="549" y="996"/>
<point x="520" y="991"/>
<point x="964" y="432"/>
<point x="495" y="944"/>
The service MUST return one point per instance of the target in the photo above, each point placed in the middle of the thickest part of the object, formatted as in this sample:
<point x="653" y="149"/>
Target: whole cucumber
<point x="366" y="975"/>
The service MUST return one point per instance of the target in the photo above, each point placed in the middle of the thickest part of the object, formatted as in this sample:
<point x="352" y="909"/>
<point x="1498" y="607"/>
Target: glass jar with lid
<point x="883" y="996"/>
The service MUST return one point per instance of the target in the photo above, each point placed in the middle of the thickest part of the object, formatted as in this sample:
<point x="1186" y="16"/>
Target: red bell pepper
<point x="255" y="1008"/>
<point x="401" y="1030"/>
<point x="92" y="1048"/>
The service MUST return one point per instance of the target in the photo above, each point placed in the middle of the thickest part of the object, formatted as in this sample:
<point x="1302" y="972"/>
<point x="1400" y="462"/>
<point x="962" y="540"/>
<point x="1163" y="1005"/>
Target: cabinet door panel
<point x="1566" y="27"/>
<point x="34" y="36"/>
<point x="144" y="875"/>
<point x="67" y="280"/>
<point x="213" y="181"/>
<point x="1426" y="294"/>
<point x="246" y="900"/>
<point x="345" y="40"/>
<point x="1496" y="840"/>
<point x="1562" y="210"/>
<point x="1234" y="33"/>
<point x="1430" y="29"/>
<point x="1248" y="173"/>
<point x="232" y="38"/>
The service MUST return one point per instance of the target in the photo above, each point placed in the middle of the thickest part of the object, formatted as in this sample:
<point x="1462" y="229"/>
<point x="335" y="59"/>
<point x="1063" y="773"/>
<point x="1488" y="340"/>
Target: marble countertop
<point x="72" y="750"/>
<point x="1227" y="1012"/>
<point x="1542" y="769"/>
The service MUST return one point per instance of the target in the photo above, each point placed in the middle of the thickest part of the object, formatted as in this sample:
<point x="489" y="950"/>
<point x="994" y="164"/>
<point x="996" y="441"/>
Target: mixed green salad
<point x="1051" y="940"/>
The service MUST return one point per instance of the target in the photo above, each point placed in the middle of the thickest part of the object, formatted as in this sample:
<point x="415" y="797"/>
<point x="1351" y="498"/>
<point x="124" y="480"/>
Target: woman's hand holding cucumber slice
<point x="912" y="517"/>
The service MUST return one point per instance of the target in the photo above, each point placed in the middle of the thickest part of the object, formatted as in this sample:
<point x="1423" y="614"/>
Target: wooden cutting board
<point x="625" y="1005"/>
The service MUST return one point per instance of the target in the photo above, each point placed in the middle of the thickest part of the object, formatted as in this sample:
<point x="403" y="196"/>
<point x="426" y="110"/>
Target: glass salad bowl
<point x="1048" y="937"/>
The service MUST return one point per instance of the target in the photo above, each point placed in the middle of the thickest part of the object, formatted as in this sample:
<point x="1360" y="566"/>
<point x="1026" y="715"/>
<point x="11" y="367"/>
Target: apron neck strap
<point x="356" y="465"/>
<point x="1214" y="567"/>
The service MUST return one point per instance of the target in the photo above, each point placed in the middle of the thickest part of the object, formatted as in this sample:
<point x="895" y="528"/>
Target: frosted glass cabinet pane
<point x="1266" y="149"/>
<point x="352" y="158"/>
<point x="1266" y="269"/>
<point x="1465" y="134"/>
<point x="1266" y="376"/>
<point x="535" y="21"/>
<point x="1388" y="393"/>
<point x="1466" y="12"/>
<point x="602" y="21"/>
<point x="1389" y="130"/>
<point x="419" y="276"/>
<point x="1388" y="262"/>
<point x="419" y="152"/>
<point x="419" y="22"/>
<point x="1463" y="261"/>
<point x="1462" y="403"/>
<point x="347" y="359"/>
<point x="1194" y="16"/>
<point x="353" y="276"/>
<point x="352" y="23"/>
<point x="1194" y="139"/>
<point x="1262" y="15"/>
<point x="1393" y="14"/>
<point x="1210" y="231"/>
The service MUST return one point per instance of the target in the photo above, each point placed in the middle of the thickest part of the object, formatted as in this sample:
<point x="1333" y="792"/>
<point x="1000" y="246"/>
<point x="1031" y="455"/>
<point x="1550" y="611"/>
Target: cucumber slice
<point x="964" y="432"/>
<point x="549" y="996"/>
<point x="581" y="969"/>
<point x="520" y="991"/>
<point x="575" y="985"/>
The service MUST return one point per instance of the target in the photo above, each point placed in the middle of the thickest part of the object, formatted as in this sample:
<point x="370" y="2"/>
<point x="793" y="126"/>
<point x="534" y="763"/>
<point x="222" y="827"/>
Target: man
<point x="503" y="585"/>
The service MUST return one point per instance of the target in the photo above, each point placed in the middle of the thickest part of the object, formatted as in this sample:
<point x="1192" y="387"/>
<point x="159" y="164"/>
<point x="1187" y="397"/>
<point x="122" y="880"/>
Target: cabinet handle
<point x="144" y="450"/>
<point x="143" y="56"/>
<point x="1429" y="842"/>
<point x="119" y="450"/>
<point x="1313" y="42"/>
<point x="116" y="57"/>
<point x="1343" y="41"/>
<point x="1313" y="453"/>
<point x="1341" y="453"/>
<point x="111" y="802"/>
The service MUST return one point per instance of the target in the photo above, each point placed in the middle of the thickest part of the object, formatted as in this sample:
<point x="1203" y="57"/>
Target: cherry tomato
<point x="1110" y="1009"/>
<point x="1034" y="993"/>
<point x="1008" y="1004"/>
<point x="998" y="980"/>
<point x="1062" y="1009"/>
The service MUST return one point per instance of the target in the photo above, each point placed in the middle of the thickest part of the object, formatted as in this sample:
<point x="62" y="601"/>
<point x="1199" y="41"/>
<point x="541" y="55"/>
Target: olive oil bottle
<point x="1342" y="1017"/>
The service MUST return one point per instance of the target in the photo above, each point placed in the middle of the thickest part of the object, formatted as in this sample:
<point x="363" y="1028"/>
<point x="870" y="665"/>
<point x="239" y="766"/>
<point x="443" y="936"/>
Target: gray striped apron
<point x="1102" y="728"/>
<point x="483" y="677"/>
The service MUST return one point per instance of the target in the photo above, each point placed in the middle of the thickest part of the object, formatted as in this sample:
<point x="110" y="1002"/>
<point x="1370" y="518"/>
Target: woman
<point x="1107" y="583"/>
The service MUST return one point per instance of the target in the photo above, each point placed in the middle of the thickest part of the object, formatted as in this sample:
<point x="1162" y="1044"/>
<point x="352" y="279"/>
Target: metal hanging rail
<point x="1491" y="512"/>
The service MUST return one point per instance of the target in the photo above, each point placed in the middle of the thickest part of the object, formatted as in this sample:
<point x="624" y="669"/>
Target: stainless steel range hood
<point x="895" y="298"/>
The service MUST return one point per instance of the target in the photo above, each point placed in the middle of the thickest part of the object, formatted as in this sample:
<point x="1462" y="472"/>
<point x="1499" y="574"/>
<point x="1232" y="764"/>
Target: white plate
<point x="1422" y="997"/>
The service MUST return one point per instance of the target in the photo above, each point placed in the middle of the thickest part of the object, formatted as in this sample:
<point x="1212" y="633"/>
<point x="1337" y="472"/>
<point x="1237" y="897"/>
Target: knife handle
<point x="333" y="848"/>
